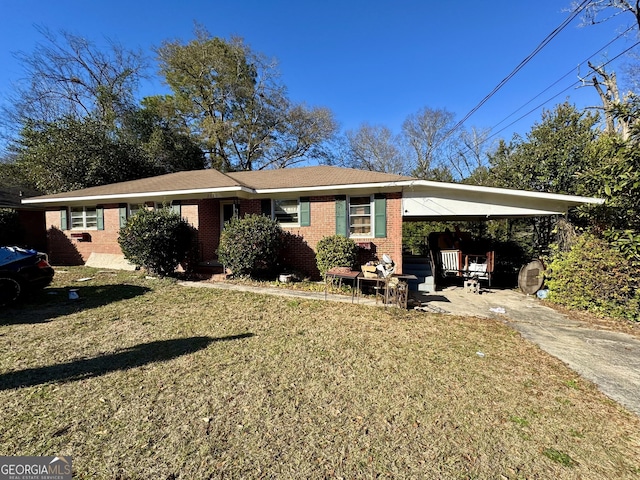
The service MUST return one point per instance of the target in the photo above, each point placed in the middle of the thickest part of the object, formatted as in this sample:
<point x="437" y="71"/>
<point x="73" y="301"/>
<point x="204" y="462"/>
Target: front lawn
<point x="143" y="378"/>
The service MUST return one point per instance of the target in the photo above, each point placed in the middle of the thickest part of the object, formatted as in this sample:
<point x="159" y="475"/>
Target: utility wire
<point x="527" y="59"/>
<point x="570" y="72"/>
<point x="573" y="85"/>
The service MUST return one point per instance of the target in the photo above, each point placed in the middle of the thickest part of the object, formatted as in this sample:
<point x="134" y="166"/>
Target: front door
<point x="229" y="209"/>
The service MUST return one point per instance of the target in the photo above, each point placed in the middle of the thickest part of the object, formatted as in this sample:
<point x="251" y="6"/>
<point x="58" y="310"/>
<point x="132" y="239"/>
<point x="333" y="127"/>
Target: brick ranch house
<point x="309" y="202"/>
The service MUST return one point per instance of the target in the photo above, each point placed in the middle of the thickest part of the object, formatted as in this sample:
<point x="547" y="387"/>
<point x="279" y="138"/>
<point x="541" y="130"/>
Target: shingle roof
<point x="11" y="196"/>
<point x="209" y="179"/>
<point x="191" y="180"/>
<point x="311" y="177"/>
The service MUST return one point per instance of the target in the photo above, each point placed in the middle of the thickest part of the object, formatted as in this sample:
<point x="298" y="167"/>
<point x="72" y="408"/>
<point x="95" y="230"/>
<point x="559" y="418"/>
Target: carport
<point x="424" y="200"/>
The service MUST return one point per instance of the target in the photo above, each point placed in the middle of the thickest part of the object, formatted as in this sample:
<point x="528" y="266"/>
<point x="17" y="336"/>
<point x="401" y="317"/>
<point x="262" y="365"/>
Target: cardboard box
<point x="369" y="271"/>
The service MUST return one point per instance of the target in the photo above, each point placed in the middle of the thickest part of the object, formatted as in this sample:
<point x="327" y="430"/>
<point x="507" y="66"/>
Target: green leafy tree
<point x="616" y="178"/>
<point x="555" y="153"/>
<point x="164" y="146"/>
<point x="250" y="245"/>
<point x="158" y="240"/>
<point x="74" y="153"/>
<point x="228" y="97"/>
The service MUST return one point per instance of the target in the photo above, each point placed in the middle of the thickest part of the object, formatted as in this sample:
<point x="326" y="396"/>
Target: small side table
<point x="340" y="274"/>
<point x="380" y="282"/>
<point x="400" y="288"/>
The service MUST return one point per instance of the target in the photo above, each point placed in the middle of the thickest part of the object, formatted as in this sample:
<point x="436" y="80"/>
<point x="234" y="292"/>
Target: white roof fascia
<point x="571" y="199"/>
<point x="503" y="191"/>
<point x="115" y="196"/>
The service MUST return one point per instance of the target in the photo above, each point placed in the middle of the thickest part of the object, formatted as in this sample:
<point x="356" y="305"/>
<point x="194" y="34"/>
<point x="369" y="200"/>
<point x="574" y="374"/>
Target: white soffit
<point x="485" y="202"/>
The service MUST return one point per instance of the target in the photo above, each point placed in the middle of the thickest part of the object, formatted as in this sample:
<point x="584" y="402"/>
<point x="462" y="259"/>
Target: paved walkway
<point x="611" y="360"/>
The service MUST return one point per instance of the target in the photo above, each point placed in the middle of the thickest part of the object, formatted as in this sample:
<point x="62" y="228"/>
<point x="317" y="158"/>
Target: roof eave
<point x="124" y="197"/>
<point x="572" y="200"/>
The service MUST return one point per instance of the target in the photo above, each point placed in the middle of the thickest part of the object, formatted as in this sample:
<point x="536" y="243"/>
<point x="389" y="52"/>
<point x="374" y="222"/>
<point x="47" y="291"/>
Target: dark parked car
<point x="20" y="271"/>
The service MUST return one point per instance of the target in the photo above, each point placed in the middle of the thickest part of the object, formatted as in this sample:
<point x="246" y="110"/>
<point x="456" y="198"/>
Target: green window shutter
<point x="380" y="216"/>
<point x="64" y="224"/>
<point x="265" y="207"/>
<point x="341" y="216"/>
<point x="176" y="207"/>
<point x="122" y="214"/>
<point x="100" y="218"/>
<point x="305" y="212"/>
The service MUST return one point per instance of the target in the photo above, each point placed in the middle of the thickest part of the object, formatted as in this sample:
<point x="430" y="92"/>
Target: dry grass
<point x="143" y="378"/>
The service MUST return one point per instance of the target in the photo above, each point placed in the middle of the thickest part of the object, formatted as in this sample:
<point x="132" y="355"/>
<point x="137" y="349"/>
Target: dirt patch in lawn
<point x="169" y="382"/>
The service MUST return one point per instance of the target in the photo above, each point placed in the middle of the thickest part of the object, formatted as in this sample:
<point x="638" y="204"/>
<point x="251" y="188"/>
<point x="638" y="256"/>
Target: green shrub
<point x="250" y="245"/>
<point x="158" y="240"/>
<point x="11" y="232"/>
<point x="335" y="251"/>
<point x="594" y="276"/>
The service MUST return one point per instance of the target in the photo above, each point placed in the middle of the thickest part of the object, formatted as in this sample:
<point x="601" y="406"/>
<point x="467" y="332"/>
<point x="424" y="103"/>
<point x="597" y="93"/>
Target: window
<point x="84" y="218"/>
<point x="286" y="211"/>
<point x="360" y="216"/>
<point x="135" y="208"/>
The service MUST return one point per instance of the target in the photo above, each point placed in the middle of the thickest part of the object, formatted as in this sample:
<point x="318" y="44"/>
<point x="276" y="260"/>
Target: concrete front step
<point x="421" y="268"/>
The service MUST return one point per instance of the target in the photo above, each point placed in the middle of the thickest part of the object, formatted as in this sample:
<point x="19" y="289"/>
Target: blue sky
<point x="372" y="61"/>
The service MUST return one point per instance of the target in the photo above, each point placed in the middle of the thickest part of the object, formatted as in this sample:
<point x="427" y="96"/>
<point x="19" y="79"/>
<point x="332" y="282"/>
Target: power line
<point x="534" y="109"/>
<point x="574" y="84"/>
<point x="570" y="72"/>
<point x="526" y="60"/>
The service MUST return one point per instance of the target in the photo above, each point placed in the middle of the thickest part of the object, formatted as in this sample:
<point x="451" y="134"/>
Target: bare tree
<point x="469" y="153"/>
<point x="599" y="11"/>
<point x="613" y="104"/>
<point x="618" y="119"/>
<point x="69" y="76"/>
<point x="375" y="148"/>
<point x="426" y="135"/>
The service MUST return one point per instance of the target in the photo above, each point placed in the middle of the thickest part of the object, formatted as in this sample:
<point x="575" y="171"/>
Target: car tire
<point x="9" y="291"/>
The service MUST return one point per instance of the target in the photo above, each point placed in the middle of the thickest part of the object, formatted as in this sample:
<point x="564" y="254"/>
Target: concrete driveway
<point x="609" y="359"/>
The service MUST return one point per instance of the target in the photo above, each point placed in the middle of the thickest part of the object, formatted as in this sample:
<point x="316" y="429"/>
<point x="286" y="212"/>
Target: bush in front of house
<point x="250" y="245"/>
<point x="594" y="276"/>
<point x="335" y="251"/>
<point x="158" y="240"/>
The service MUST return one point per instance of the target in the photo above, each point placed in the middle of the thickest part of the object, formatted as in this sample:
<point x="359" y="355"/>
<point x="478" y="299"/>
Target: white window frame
<point x="133" y="208"/>
<point x="236" y="210"/>
<point x="274" y="216"/>
<point x="371" y="216"/>
<point x="83" y="217"/>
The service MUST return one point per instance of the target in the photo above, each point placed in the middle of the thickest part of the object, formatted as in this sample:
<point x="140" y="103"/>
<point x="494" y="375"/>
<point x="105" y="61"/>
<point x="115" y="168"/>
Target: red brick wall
<point x="204" y="215"/>
<point x="189" y="212"/>
<point x="208" y="228"/>
<point x="66" y="250"/>
<point x="300" y="251"/>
